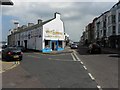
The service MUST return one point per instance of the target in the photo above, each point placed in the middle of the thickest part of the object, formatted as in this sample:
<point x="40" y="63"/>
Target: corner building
<point x="44" y="36"/>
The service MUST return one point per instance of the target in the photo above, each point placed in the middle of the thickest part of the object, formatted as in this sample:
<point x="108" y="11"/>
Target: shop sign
<point x="53" y="34"/>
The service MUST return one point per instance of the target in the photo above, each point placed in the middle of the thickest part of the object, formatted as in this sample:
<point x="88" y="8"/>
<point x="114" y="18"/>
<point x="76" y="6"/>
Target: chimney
<point x="16" y="24"/>
<point x="30" y="24"/>
<point x="57" y="15"/>
<point x="39" y="21"/>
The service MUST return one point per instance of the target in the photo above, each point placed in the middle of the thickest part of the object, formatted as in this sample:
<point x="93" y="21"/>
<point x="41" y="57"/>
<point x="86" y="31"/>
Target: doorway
<point x="18" y="43"/>
<point x="53" y="45"/>
<point x="25" y="41"/>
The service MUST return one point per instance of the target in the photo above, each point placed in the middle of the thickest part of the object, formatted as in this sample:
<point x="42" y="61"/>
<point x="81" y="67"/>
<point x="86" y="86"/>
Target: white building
<point x="118" y="20"/>
<point x="44" y="36"/>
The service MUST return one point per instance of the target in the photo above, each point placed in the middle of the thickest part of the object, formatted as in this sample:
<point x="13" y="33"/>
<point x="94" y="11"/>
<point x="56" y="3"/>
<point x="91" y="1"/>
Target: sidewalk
<point x="111" y="50"/>
<point x="66" y="50"/>
<point x="5" y="65"/>
<point x="106" y="50"/>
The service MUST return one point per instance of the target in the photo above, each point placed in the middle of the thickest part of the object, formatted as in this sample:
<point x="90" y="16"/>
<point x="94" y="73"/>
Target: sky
<point x="75" y="14"/>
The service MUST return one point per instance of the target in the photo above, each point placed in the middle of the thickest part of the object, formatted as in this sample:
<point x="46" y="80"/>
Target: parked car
<point x="12" y="53"/>
<point x="21" y="48"/>
<point x="94" y="48"/>
<point x="4" y="46"/>
<point x="74" y="46"/>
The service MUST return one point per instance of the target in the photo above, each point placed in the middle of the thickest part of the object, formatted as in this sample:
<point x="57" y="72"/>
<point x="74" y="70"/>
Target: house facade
<point x="44" y="36"/>
<point x="106" y="28"/>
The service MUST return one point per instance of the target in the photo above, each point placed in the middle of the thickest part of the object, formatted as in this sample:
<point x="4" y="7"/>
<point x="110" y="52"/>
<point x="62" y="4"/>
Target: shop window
<point x="60" y="44"/>
<point x="47" y="45"/>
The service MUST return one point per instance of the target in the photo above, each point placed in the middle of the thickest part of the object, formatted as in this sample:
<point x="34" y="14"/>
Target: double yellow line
<point x="15" y="64"/>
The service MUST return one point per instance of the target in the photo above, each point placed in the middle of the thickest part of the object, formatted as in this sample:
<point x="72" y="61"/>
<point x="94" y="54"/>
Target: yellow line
<point x="11" y="67"/>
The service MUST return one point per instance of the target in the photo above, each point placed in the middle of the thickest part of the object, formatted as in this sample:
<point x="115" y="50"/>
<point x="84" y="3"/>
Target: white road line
<point x="85" y="67"/>
<point x="91" y="76"/>
<point x="99" y="87"/>
<point x="81" y="62"/>
<point x="76" y="56"/>
<point x="73" y="57"/>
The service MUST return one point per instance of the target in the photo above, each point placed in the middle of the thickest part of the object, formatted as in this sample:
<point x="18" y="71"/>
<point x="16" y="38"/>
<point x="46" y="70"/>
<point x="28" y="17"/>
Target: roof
<point x="6" y="2"/>
<point x="34" y="26"/>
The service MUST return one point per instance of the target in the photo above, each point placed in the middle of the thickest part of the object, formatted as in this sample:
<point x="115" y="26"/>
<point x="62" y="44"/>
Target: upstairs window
<point x="113" y="19"/>
<point x="119" y="17"/>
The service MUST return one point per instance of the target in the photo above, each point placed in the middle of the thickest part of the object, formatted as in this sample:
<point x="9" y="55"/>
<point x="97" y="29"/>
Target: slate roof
<point x="33" y="27"/>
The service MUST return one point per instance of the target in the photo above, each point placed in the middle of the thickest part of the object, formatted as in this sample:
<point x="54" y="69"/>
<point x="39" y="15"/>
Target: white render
<point x="35" y="38"/>
<point x="117" y="22"/>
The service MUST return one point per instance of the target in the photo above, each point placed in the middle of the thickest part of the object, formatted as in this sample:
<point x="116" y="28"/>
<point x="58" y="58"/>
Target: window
<point x="47" y="45"/>
<point x="114" y="29"/>
<point x="119" y="29"/>
<point x="113" y="18"/>
<point x="60" y="44"/>
<point x="119" y="17"/>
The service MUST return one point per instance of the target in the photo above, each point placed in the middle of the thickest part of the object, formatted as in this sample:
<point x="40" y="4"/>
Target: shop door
<point x="53" y="45"/>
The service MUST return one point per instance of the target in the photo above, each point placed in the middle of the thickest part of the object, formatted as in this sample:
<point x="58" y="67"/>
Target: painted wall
<point x="54" y="30"/>
<point x="33" y="37"/>
<point x="118" y="22"/>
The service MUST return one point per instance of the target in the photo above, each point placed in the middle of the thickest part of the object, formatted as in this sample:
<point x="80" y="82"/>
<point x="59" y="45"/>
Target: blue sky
<point x="75" y="15"/>
<point x="6" y="25"/>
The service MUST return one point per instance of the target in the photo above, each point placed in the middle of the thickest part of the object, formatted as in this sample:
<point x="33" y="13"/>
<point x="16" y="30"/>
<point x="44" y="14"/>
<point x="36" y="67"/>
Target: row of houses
<point x="104" y="29"/>
<point x="45" y="36"/>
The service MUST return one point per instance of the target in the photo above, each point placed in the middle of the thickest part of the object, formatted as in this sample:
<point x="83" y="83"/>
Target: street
<point x="104" y="67"/>
<point x="63" y="70"/>
<point x="48" y="71"/>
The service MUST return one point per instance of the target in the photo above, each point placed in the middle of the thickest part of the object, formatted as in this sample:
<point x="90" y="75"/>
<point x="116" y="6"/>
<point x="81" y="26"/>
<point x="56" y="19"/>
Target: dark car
<point x="21" y="48"/>
<point x="12" y="53"/>
<point x="74" y="46"/>
<point x="4" y="46"/>
<point x="94" y="48"/>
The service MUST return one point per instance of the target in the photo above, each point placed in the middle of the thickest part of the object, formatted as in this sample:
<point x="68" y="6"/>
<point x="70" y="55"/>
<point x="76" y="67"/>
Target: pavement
<point x="111" y="50"/>
<point x="106" y="50"/>
<point x="66" y="50"/>
<point x="4" y="65"/>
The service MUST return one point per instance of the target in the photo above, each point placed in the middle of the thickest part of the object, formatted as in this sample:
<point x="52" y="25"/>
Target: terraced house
<point x="44" y="36"/>
<point x="106" y="28"/>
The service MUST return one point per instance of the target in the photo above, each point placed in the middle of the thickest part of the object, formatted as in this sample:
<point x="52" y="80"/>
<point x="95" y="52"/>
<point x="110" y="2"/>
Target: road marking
<point x="99" y="87"/>
<point x="73" y="57"/>
<point x="15" y="64"/>
<point x="85" y="67"/>
<point x="81" y="62"/>
<point x="91" y="76"/>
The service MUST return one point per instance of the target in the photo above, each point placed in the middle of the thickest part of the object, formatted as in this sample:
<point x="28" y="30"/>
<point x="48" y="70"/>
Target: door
<point x="25" y="41"/>
<point x="53" y="45"/>
<point x="18" y="43"/>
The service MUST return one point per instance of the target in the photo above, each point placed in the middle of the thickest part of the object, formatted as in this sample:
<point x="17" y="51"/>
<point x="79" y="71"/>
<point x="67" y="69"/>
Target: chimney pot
<point x="39" y="21"/>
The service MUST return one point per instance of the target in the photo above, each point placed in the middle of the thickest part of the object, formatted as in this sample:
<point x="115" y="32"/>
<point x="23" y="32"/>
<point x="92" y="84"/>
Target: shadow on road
<point x="116" y="56"/>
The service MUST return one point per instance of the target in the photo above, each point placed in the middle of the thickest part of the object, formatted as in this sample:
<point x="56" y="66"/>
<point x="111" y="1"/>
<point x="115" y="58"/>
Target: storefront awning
<point x="6" y="2"/>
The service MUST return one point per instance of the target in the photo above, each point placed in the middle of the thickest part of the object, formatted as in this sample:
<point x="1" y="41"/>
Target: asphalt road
<point x="48" y="71"/>
<point x="104" y="67"/>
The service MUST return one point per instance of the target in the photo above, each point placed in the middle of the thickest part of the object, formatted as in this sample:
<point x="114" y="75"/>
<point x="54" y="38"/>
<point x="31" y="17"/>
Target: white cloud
<point x="75" y="15"/>
<point x="64" y="0"/>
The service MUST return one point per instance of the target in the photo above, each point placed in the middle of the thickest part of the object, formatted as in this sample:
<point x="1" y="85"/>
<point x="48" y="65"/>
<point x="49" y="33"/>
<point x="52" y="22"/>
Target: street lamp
<point x="6" y="2"/>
